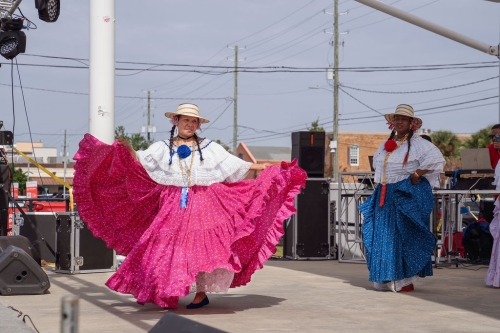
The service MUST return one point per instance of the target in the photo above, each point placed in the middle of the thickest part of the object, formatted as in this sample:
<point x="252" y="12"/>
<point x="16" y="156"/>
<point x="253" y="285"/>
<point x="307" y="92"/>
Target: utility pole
<point x="235" y="100"/>
<point x="235" y="97"/>
<point x="336" y="90"/>
<point x="149" y="114"/>
<point x="149" y="129"/>
<point x="437" y="29"/>
<point x="65" y="162"/>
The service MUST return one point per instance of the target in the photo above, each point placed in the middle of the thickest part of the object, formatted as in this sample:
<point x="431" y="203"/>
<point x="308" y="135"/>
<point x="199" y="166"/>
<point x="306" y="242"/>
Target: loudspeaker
<point x="307" y="234"/>
<point x="45" y="224"/>
<point x="20" y="274"/>
<point x="309" y="149"/>
<point x="4" y="199"/>
<point x="173" y="323"/>
<point x="22" y="243"/>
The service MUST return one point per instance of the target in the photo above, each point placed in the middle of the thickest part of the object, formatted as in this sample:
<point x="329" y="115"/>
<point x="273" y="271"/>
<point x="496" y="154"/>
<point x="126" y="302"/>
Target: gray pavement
<point x="285" y="296"/>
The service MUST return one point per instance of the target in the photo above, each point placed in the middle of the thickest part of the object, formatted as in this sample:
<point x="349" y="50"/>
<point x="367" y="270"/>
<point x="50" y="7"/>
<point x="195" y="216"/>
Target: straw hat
<point x="404" y="110"/>
<point x="187" y="110"/>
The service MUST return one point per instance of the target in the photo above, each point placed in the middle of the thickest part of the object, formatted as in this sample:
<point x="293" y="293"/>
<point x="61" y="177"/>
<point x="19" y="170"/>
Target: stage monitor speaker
<point x="20" y="274"/>
<point x="307" y="234"/>
<point x="172" y="323"/>
<point x="22" y="243"/>
<point x="309" y="149"/>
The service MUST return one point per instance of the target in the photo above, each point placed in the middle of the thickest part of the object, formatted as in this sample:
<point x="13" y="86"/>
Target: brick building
<point x="353" y="149"/>
<point x="258" y="154"/>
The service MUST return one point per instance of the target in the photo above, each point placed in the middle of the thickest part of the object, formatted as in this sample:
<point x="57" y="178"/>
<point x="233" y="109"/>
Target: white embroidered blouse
<point x="217" y="165"/>
<point x="423" y="155"/>
<point x="496" y="182"/>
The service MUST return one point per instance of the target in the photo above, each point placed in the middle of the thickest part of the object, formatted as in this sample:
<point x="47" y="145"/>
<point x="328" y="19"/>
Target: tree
<point x="315" y="127"/>
<point x="480" y="139"/>
<point x="447" y="142"/>
<point x="226" y="147"/>
<point x="18" y="176"/>
<point x="137" y="141"/>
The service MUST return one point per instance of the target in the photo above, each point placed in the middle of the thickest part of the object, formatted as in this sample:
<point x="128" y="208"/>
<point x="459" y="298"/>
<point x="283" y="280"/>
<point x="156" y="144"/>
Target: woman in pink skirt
<point x="181" y="212"/>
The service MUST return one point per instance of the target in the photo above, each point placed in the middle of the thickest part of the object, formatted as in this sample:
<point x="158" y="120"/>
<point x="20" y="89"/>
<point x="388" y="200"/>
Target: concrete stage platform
<point x="285" y="296"/>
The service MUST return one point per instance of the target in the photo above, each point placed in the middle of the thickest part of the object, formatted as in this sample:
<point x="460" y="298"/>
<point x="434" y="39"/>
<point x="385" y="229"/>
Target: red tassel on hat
<point x="382" y="195"/>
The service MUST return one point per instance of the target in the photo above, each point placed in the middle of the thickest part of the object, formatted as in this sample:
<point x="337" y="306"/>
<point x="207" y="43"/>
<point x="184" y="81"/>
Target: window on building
<point x="240" y="155"/>
<point x="354" y="155"/>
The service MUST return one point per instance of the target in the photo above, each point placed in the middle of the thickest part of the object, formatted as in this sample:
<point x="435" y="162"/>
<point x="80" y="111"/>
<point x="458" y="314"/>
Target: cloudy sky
<point x="273" y="33"/>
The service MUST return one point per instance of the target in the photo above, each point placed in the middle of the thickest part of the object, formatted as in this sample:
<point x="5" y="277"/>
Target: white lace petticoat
<point x="217" y="281"/>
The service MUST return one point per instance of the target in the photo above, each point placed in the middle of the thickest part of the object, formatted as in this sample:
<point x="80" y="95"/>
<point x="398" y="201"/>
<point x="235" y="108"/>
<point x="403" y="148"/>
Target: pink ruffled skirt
<point x="226" y="226"/>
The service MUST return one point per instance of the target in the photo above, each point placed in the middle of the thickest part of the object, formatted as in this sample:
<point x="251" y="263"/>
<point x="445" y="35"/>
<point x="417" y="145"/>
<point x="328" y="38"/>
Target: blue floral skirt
<point x="396" y="236"/>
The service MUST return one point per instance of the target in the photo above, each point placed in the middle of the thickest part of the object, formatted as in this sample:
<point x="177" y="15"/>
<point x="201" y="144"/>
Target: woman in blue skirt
<point x="396" y="232"/>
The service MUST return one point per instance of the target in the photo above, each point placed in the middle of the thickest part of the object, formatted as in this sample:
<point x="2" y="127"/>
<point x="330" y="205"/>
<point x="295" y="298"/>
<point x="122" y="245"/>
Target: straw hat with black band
<point x="405" y="110"/>
<point x="187" y="109"/>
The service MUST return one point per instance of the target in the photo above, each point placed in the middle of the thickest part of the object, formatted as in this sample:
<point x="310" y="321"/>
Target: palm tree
<point x="447" y="142"/>
<point x="480" y="139"/>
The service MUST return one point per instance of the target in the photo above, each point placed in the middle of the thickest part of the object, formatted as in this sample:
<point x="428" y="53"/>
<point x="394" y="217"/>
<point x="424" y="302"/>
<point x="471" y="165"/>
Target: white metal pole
<point x="102" y="70"/>
<point x="69" y="314"/>
<point x="427" y="25"/>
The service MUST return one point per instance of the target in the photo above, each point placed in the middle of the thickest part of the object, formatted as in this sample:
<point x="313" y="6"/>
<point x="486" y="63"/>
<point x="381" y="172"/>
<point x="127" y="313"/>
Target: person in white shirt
<point x="395" y="229"/>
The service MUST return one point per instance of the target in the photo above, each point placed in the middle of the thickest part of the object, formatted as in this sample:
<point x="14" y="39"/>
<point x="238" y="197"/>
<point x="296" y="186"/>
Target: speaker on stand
<point x="309" y="149"/>
<point x="307" y="234"/>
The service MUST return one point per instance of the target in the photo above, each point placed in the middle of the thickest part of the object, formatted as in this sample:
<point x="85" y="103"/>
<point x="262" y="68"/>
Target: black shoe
<point x="198" y="305"/>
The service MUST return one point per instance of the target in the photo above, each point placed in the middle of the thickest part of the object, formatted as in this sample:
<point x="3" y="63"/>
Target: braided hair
<point x="410" y="134"/>
<point x="393" y="133"/>
<point x="198" y="144"/>
<point x="171" y="143"/>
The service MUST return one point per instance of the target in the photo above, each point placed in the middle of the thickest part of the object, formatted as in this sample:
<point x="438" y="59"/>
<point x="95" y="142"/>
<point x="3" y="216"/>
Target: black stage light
<point x="48" y="10"/>
<point x="12" y="43"/>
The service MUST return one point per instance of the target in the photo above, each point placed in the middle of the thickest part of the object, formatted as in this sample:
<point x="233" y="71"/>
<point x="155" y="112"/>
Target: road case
<point x="77" y="250"/>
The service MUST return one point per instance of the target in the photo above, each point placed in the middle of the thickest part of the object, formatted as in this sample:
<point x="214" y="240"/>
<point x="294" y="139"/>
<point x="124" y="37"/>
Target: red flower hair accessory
<point x="390" y="145"/>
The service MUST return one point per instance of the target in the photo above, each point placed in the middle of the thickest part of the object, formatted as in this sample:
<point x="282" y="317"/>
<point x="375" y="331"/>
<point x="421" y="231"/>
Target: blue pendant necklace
<point x="186" y="174"/>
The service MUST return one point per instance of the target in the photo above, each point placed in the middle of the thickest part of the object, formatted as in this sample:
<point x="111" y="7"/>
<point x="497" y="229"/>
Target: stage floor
<point x="285" y="296"/>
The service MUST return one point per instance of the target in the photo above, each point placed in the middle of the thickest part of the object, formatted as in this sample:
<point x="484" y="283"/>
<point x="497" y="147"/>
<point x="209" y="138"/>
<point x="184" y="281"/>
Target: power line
<point x="118" y="96"/>
<point x="419" y="91"/>
<point x="357" y="100"/>
<point x="452" y="65"/>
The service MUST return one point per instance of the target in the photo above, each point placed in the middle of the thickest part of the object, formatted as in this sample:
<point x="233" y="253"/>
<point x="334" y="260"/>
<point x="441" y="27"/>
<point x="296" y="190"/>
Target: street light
<point x="497" y="1"/>
<point x="435" y="28"/>
<point x="334" y="140"/>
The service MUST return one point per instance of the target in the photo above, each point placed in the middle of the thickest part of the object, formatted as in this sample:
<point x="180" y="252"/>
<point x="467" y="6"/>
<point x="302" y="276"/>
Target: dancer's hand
<point x="127" y="145"/>
<point x="260" y="166"/>
<point x="415" y="178"/>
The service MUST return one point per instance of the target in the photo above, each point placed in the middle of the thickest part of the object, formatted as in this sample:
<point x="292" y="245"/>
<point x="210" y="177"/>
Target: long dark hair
<point x="171" y="143"/>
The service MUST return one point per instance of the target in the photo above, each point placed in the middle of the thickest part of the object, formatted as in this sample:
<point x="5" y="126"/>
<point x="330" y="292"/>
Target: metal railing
<point x="355" y="187"/>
